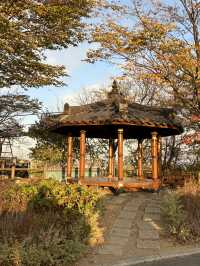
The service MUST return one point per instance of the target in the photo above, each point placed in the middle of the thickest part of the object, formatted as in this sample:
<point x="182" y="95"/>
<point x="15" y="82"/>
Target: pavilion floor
<point x="127" y="183"/>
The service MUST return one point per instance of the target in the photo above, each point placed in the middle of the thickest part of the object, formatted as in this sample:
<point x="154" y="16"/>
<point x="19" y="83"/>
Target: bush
<point x="181" y="212"/>
<point x="47" y="223"/>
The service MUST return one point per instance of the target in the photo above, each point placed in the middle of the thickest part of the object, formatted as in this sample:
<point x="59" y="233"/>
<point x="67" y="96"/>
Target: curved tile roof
<point x="102" y="118"/>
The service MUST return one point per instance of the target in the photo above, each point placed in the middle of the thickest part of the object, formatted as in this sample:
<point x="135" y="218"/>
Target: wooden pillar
<point x="82" y="155"/>
<point x="140" y="157"/>
<point x="154" y="153"/>
<point x="13" y="168"/>
<point x="159" y="156"/>
<point x="111" y="159"/>
<point x="69" y="156"/>
<point x="120" y="154"/>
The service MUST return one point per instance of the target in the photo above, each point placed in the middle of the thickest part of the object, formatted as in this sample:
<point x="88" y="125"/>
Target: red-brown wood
<point x="140" y="157"/>
<point x="159" y="156"/>
<point x="82" y="155"/>
<point x="69" y="156"/>
<point x="131" y="183"/>
<point x="120" y="154"/>
<point x="154" y="152"/>
<point x="111" y="159"/>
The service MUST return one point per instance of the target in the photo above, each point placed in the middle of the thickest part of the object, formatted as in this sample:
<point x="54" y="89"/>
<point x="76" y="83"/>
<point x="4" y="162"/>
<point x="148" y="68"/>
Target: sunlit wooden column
<point x="154" y="153"/>
<point x="82" y="155"/>
<point x="69" y="156"/>
<point x="159" y="156"/>
<point x="111" y="159"/>
<point x="140" y="157"/>
<point x="120" y="154"/>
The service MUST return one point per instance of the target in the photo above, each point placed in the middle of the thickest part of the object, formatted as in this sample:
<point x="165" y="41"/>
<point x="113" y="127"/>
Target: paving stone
<point x="149" y="225"/>
<point x="117" y="240"/>
<point x="132" y="208"/>
<point x="110" y="249"/>
<point x="118" y="201"/>
<point x="148" y="234"/>
<point x="121" y="232"/>
<point x="152" y="210"/>
<point x="153" y="204"/>
<point x="123" y="223"/>
<point x="127" y="215"/>
<point x="148" y="244"/>
<point x="151" y="217"/>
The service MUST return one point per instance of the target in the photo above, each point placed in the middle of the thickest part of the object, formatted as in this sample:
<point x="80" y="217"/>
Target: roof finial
<point x="114" y="86"/>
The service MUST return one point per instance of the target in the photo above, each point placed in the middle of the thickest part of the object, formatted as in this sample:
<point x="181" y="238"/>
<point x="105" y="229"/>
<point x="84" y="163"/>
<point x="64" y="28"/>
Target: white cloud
<point x="71" y="58"/>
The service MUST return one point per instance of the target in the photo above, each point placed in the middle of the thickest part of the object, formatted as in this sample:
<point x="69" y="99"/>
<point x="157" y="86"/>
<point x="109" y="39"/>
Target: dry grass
<point x="181" y="211"/>
<point x="190" y="198"/>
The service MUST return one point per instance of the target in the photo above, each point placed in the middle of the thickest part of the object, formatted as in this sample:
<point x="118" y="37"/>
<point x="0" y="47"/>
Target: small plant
<point x="175" y="216"/>
<point x="181" y="212"/>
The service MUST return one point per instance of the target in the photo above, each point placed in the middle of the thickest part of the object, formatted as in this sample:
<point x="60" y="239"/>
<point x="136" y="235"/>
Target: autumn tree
<point x="158" y="42"/>
<point x="28" y="28"/>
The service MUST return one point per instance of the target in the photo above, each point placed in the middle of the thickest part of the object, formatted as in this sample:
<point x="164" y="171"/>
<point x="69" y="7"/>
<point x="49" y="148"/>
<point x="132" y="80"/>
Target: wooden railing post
<point x="120" y="154"/>
<point x="111" y="159"/>
<point x="140" y="157"/>
<point x="69" y="156"/>
<point x="13" y="168"/>
<point x="82" y="155"/>
<point x="154" y="153"/>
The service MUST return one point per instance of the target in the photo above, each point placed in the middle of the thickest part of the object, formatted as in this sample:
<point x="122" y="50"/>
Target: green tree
<point x="28" y="28"/>
<point x="12" y="107"/>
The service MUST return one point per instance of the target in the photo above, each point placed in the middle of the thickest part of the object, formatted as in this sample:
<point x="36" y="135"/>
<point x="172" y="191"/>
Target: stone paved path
<point x="140" y="216"/>
<point x="133" y="232"/>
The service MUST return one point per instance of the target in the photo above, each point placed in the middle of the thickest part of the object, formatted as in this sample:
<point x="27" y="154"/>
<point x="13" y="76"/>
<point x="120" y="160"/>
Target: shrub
<point x="174" y="215"/>
<point x="181" y="212"/>
<point x="47" y="223"/>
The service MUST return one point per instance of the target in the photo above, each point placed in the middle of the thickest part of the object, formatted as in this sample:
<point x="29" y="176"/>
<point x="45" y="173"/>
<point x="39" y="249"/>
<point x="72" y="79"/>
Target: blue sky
<point x="82" y="75"/>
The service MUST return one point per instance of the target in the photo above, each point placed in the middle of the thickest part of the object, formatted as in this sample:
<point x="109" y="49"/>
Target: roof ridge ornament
<point x="114" y="93"/>
<point x="115" y="86"/>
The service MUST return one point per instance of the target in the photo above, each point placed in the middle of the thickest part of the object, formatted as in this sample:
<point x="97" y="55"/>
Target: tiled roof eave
<point x="122" y="122"/>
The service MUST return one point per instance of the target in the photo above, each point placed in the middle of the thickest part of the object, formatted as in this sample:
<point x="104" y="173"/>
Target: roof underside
<point x="102" y="119"/>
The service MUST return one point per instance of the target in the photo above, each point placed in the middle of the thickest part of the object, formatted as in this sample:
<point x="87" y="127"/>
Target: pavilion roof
<point x="102" y="118"/>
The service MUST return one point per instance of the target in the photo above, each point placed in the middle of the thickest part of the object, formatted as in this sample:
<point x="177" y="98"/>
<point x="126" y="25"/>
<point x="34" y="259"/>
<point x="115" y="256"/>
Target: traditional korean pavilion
<point x="115" y="118"/>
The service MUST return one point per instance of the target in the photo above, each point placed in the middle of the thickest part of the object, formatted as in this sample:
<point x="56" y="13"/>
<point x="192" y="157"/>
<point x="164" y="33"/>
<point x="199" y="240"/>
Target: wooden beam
<point x="69" y="156"/>
<point x="140" y="157"/>
<point x="82" y="155"/>
<point x="120" y="154"/>
<point x="111" y="159"/>
<point x="154" y="153"/>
